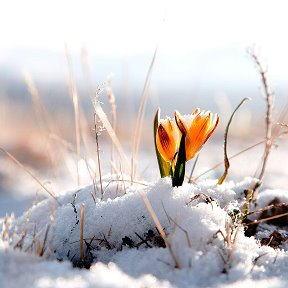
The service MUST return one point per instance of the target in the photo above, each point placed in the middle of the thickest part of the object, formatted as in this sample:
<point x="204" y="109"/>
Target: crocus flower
<point x="168" y="139"/>
<point x="197" y="127"/>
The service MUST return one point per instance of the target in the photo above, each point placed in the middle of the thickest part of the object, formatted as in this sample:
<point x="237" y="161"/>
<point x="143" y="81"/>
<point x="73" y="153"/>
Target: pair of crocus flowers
<point x="178" y="140"/>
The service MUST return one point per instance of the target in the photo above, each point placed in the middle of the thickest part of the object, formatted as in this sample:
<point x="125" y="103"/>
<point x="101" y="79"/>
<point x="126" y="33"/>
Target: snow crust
<point x="204" y="257"/>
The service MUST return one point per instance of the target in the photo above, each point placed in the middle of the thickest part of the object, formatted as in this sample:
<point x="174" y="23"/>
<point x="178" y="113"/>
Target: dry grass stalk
<point x="170" y="219"/>
<point x="98" y="153"/>
<point x="160" y="229"/>
<point x="266" y="208"/>
<point x="20" y="243"/>
<point x="29" y="173"/>
<point x="106" y="124"/>
<point x="43" y="119"/>
<point x="267" y="219"/>
<point x="82" y="233"/>
<point x="112" y="102"/>
<point x="231" y="240"/>
<point x="43" y="246"/>
<point x="75" y="101"/>
<point x="256" y="260"/>
<point x="268" y="119"/>
<point x="140" y="117"/>
<point x="193" y="169"/>
<point x="226" y="159"/>
<point x="86" y="72"/>
<point x="230" y="158"/>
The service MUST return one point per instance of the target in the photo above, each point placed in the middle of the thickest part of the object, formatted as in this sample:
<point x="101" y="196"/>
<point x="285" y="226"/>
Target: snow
<point x="205" y="259"/>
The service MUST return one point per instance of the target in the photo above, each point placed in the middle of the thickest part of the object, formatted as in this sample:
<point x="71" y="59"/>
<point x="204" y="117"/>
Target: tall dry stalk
<point x="268" y="120"/>
<point x="43" y="120"/>
<point x="75" y="101"/>
<point x="226" y="159"/>
<point x="112" y="101"/>
<point x="140" y="118"/>
<point x="97" y="131"/>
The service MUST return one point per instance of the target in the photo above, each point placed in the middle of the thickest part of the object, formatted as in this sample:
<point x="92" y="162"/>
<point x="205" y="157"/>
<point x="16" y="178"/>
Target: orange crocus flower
<point x="168" y="139"/>
<point x="197" y="127"/>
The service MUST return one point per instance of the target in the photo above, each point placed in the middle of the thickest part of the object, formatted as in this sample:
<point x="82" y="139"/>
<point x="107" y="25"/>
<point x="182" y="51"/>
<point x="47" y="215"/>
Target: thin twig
<point x="226" y="159"/>
<point x="267" y="219"/>
<point x="266" y="208"/>
<point x="268" y="119"/>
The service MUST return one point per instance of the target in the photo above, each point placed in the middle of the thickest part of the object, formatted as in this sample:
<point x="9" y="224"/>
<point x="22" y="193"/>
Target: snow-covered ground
<point x="122" y="245"/>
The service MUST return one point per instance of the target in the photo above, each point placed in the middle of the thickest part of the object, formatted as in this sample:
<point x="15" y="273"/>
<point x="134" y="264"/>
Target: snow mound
<point x="125" y="248"/>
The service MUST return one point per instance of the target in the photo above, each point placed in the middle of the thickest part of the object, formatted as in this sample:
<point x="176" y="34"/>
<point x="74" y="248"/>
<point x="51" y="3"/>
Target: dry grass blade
<point x="226" y="159"/>
<point x="42" y="249"/>
<point x="75" y="100"/>
<point x="192" y="170"/>
<point x="29" y="173"/>
<point x="98" y="154"/>
<point x="160" y="228"/>
<point x="170" y="219"/>
<point x="255" y="261"/>
<point x="102" y="116"/>
<point x="112" y="102"/>
<point x="82" y="233"/>
<point x="140" y="117"/>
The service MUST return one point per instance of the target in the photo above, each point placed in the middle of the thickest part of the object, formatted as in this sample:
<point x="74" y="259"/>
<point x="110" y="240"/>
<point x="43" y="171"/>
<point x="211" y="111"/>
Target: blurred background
<point x="201" y="61"/>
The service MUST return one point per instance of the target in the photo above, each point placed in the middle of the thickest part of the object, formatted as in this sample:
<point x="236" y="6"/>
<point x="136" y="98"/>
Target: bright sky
<point x="129" y="27"/>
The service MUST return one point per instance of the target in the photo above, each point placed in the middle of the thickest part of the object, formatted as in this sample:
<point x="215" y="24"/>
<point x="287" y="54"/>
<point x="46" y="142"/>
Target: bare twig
<point x="268" y="119"/>
<point x="226" y="159"/>
<point x="266" y="208"/>
<point x="267" y="219"/>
